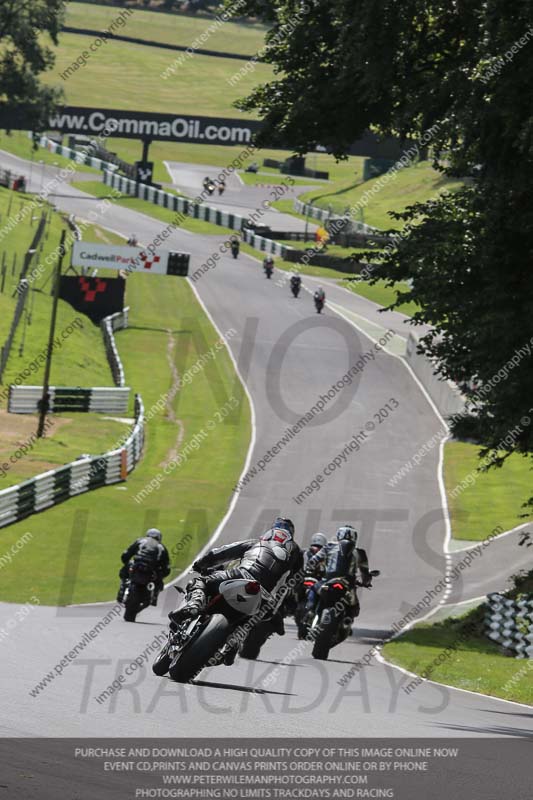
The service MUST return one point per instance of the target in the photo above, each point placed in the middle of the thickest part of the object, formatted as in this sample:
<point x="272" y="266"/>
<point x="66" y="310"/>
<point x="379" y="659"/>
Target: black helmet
<point x="347" y="532"/>
<point x="154" y="533"/>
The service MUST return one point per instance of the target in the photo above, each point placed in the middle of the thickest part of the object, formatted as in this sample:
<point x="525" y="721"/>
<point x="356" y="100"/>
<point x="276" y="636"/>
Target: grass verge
<point x="454" y="653"/>
<point x="170" y="28"/>
<point x="168" y="328"/>
<point x="407" y="186"/>
<point x="507" y="488"/>
<point x="133" y="78"/>
<point x="382" y="294"/>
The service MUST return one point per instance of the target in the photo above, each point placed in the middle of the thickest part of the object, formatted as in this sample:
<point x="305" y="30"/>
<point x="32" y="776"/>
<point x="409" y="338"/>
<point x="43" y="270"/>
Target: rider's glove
<point x="199" y="565"/>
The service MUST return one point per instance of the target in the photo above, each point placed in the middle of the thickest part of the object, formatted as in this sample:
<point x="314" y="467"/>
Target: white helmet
<point x="318" y="540"/>
<point x="154" y="533"/>
<point x="347" y="532"/>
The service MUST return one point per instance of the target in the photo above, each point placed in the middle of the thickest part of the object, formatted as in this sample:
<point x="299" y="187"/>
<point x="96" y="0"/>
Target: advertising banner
<point x="130" y="259"/>
<point x="106" y="122"/>
<point x="149" y="125"/>
<point x="95" y="297"/>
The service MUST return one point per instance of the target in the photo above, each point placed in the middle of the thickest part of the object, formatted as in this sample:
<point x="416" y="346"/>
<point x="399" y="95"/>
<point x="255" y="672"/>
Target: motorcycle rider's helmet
<point x="282" y="530"/>
<point x="284" y="524"/>
<point x="318" y="541"/>
<point x="347" y="533"/>
<point x="154" y="533"/>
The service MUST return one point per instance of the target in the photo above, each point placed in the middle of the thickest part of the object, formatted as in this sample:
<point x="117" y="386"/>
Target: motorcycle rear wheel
<point x="324" y="639"/>
<point x="194" y="658"/>
<point x="133" y="604"/>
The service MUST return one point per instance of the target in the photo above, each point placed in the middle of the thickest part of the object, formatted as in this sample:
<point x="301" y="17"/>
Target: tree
<point x="24" y="56"/>
<point x="463" y="70"/>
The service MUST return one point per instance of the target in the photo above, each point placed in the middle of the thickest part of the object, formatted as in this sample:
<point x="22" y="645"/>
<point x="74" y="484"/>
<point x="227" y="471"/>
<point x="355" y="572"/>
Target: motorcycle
<point x="319" y="304"/>
<point x="140" y="590"/>
<point x="269" y="269"/>
<point x="213" y="637"/>
<point x="302" y="616"/>
<point x="332" y="622"/>
<point x="295" y="289"/>
<point x="208" y="185"/>
<point x="235" y="247"/>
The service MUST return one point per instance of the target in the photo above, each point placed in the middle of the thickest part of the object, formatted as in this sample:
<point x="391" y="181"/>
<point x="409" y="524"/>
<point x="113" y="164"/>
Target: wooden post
<point x="44" y="403"/>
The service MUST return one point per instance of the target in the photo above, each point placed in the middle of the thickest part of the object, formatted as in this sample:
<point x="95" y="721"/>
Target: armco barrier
<point x="87" y="473"/>
<point x="324" y="216"/>
<point x="265" y="245"/>
<point x="180" y="205"/>
<point x="509" y="623"/>
<point x="114" y="322"/>
<point x="74" y="155"/>
<point x="445" y="394"/>
<point x="98" y="399"/>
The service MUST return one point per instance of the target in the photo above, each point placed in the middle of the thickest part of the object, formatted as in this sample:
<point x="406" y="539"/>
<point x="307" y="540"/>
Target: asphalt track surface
<point x="239" y="198"/>
<point x="287" y="356"/>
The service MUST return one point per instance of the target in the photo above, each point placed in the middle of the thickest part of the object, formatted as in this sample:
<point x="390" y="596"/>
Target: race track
<point x="288" y="357"/>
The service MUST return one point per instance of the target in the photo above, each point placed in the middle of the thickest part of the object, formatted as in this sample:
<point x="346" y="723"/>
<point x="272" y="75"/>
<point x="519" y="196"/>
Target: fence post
<point x="44" y="399"/>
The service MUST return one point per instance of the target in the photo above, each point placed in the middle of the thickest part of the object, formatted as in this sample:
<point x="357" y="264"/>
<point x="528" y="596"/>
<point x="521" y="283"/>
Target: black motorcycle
<point x="269" y="269"/>
<point x="319" y="304"/>
<point x="332" y="622"/>
<point x="140" y="590"/>
<point x="302" y="615"/>
<point x="295" y="288"/>
<point x="235" y="247"/>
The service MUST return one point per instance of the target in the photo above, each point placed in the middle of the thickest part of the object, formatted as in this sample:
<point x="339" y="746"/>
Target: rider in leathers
<point x="345" y="560"/>
<point x="269" y="560"/>
<point x="314" y="564"/>
<point x="149" y="550"/>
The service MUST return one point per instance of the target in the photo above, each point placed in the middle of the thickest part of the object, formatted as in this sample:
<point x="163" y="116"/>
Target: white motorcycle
<point x="219" y="631"/>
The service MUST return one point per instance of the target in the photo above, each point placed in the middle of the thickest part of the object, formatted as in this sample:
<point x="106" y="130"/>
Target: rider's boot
<point x="195" y="602"/>
<point x="122" y="589"/>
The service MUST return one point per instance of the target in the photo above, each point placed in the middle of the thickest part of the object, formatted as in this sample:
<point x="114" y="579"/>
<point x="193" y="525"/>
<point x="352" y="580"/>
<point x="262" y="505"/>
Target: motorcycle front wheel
<point x="197" y="654"/>
<point x="162" y="663"/>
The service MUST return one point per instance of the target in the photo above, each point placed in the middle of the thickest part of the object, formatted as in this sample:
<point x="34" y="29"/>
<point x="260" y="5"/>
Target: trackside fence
<point x="115" y="322"/>
<point x="509" y="623"/>
<point x="86" y="473"/>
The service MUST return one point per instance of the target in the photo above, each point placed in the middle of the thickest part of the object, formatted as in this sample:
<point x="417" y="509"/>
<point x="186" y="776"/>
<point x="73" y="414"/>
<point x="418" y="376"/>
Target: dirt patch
<point x="19" y="429"/>
<point x="174" y="389"/>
